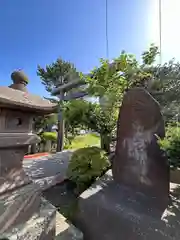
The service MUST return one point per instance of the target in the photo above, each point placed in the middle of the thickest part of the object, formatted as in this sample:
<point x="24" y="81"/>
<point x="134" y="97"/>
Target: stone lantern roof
<point x="17" y="97"/>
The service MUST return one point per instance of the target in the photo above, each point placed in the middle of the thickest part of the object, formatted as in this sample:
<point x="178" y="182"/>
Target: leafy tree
<point x="114" y="79"/>
<point x="75" y="113"/>
<point x="103" y="123"/>
<point x="87" y="115"/>
<point x="167" y="81"/>
<point x="164" y="82"/>
<point x="111" y="80"/>
<point x="56" y="74"/>
<point x="42" y="123"/>
<point x="149" y="56"/>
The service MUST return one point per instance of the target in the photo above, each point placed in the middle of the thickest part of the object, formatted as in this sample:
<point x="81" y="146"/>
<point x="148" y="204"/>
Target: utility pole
<point x="60" y="135"/>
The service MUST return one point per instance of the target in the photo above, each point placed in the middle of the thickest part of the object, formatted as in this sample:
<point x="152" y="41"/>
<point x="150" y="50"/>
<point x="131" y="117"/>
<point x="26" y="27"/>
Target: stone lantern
<point x="23" y="212"/>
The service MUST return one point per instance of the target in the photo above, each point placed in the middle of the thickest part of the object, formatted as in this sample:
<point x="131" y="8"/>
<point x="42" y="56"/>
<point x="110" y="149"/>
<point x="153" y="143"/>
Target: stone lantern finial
<point x="20" y="80"/>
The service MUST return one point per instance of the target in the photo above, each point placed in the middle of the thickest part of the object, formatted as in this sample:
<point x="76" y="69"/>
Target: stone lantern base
<point x="25" y="215"/>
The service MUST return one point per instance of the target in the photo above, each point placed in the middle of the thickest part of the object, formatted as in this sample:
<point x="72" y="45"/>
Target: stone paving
<point x="65" y="230"/>
<point x="48" y="171"/>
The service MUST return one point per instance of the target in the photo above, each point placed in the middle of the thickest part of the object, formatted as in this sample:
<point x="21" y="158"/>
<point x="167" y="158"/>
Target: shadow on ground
<point x="63" y="197"/>
<point x="173" y="216"/>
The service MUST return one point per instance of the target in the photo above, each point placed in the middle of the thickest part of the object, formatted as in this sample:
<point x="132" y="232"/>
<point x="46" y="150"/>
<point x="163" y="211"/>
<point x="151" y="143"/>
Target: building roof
<point x="16" y="99"/>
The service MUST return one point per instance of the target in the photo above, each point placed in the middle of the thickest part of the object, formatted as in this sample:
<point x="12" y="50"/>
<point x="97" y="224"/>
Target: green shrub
<point x="171" y="145"/>
<point x="86" y="165"/>
<point x="52" y="136"/>
<point x="68" y="142"/>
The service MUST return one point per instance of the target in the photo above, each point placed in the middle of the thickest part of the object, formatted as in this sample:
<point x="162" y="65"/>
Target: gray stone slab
<point x="16" y="207"/>
<point x="121" y="213"/>
<point x="49" y="170"/>
<point x="41" y="226"/>
<point x="65" y="230"/>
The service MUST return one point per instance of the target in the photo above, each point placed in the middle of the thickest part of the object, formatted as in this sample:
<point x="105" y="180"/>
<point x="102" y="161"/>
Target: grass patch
<point x="84" y="141"/>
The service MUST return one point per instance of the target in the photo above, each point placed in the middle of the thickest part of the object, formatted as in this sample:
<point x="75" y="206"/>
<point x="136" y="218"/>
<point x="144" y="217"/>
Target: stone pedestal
<point x="38" y="224"/>
<point x="111" y="211"/>
<point x="25" y="215"/>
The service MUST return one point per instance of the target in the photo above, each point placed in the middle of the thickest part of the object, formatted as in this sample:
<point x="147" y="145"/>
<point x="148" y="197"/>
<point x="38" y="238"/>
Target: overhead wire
<point x="160" y="32"/>
<point x="107" y="40"/>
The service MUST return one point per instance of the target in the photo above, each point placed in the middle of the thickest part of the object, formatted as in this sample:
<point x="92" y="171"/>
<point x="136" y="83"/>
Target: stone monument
<point x="130" y="201"/>
<point x="23" y="213"/>
<point x="139" y="163"/>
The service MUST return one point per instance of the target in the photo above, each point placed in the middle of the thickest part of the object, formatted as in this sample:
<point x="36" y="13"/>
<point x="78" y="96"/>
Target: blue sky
<point x="39" y="31"/>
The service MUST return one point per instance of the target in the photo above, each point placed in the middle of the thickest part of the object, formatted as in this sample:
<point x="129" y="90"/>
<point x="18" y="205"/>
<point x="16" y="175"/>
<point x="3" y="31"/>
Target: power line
<point x="160" y="31"/>
<point x="107" y="42"/>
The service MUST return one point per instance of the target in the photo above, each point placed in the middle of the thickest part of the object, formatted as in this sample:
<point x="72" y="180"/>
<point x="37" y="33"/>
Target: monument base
<point x="112" y="212"/>
<point x="25" y="215"/>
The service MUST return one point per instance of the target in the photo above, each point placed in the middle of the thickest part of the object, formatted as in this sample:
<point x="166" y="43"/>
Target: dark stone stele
<point x="139" y="163"/>
<point x="129" y="201"/>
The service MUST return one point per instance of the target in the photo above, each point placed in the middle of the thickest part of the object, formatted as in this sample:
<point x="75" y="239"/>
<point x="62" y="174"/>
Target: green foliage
<point x="57" y="73"/>
<point x="19" y="76"/>
<point x="149" y="56"/>
<point x="82" y="114"/>
<point x="109" y="82"/>
<point x="103" y="81"/>
<point x="76" y="113"/>
<point x="85" y="115"/>
<point x="162" y="81"/>
<point x="82" y="141"/>
<point x="171" y="145"/>
<point x="101" y="121"/>
<point x="113" y="79"/>
<point x="168" y="76"/>
<point x="86" y="165"/>
<point x="52" y="136"/>
<point x="43" y="123"/>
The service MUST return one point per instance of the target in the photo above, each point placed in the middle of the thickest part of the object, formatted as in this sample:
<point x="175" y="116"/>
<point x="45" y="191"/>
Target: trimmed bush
<point x="51" y="136"/>
<point x="86" y="165"/>
<point x="171" y="145"/>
